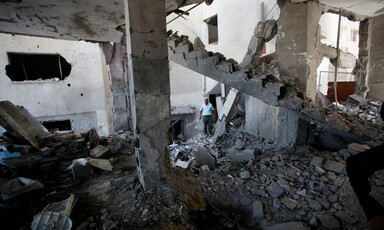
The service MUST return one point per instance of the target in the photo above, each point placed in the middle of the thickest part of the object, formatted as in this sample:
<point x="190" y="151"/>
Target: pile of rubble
<point x="39" y="167"/>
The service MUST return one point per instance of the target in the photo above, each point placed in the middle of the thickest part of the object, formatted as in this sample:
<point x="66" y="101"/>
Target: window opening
<point x="213" y="33"/>
<point x="31" y="67"/>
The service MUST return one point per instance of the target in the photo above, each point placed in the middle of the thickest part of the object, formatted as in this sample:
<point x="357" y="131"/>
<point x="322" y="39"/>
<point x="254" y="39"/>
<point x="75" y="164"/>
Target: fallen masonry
<point x="239" y="181"/>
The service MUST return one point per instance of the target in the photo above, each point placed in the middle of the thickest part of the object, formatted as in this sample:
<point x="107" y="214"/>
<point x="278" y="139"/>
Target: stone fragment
<point x="334" y="166"/>
<point x="315" y="205"/>
<point x="110" y="225"/>
<point x="276" y="203"/>
<point x="257" y="208"/>
<point x="245" y="175"/>
<point x="302" y="192"/>
<point x="317" y="161"/>
<point x="333" y="198"/>
<point x="241" y="156"/>
<point x="331" y="175"/>
<point x="290" y="203"/>
<point x="344" y="153"/>
<point x="205" y="168"/>
<point x="239" y="144"/>
<point x="313" y="221"/>
<point x="339" y="181"/>
<point x="284" y="184"/>
<point x="319" y="170"/>
<point x="288" y="226"/>
<point x="329" y="222"/>
<point x="345" y="217"/>
<point x="274" y="190"/>
<point x="202" y="157"/>
<point x="99" y="152"/>
<point x="358" y="99"/>
<point x="356" y="148"/>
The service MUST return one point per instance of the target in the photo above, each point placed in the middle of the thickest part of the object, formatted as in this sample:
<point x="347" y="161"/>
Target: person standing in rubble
<point x="359" y="168"/>
<point x="207" y="112"/>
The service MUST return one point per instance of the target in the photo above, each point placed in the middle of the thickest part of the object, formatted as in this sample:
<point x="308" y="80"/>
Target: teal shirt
<point x="207" y="109"/>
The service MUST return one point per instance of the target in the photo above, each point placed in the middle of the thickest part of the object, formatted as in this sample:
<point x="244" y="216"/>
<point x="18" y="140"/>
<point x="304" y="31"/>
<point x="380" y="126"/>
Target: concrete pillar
<point x="148" y="73"/>
<point x="296" y="44"/>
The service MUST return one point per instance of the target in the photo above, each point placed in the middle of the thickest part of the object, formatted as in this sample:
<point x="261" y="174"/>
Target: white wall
<point x="51" y="100"/>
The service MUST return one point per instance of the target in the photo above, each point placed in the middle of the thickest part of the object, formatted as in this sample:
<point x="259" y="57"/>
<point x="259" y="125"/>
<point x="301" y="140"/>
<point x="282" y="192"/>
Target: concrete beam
<point x="149" y="87"/>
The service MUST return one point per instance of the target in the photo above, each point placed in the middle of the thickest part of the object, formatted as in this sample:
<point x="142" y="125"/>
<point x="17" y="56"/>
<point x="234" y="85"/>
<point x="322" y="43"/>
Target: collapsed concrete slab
<point x="227" y="111"/>
<point x="21" y="124"/>
<point x="260" y="82"/>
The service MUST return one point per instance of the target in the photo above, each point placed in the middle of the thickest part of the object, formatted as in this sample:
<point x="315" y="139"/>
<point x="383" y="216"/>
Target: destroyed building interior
<point x="100" y="113"/>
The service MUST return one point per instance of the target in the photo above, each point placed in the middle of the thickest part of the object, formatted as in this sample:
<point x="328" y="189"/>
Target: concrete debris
<point x="245" y="175"/>
<point x="329" y="222"/>
<point x="21" y="125"/>
<point x="274" y="190"/>
<point x="288" y="226"/>
<point x="260" y="80"/>
<point x="203" y="157"/>
<point x="334" y="166"/>
<point x="355" y="148"/>
<point x="257" y="208"/>
<point x="359" y="100"/>
<point x="182" y="164"/>
<point x="18" y="186"/>
<point x="289" y="203"/>
<point x="100" y="152"/>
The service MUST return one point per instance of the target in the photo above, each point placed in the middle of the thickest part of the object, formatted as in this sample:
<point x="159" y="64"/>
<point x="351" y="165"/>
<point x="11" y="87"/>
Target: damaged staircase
<point x="253" y="76"/>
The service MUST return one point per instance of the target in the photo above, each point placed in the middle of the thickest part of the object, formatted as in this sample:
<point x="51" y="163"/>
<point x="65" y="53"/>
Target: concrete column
<point x="148" y="73"/>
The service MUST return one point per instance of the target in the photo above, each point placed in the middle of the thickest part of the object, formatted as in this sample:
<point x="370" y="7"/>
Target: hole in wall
<point x="348" y="43"/>
<point x="32" y="67"/>
<point x="60" y="125"/>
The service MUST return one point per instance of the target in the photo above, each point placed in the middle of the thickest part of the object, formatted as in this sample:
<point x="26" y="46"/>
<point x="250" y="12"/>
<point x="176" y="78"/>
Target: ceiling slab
<point x="90" y="20"/>
<point x="367" y="8"/>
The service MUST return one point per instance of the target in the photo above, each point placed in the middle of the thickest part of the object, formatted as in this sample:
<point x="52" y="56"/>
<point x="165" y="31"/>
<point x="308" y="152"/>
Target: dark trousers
<point x="359" y="168"/>
<point x="207" y="120"/>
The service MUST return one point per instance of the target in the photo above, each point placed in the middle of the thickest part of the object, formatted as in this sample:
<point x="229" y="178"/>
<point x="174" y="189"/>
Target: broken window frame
<point x="212" y="29"/>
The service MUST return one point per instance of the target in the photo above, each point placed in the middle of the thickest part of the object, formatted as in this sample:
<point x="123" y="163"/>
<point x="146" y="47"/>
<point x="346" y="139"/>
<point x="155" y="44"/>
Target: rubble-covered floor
<point x="251" y="185"/>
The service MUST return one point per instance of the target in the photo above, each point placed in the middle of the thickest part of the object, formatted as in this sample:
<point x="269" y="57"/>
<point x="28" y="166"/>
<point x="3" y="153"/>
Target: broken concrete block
<point x="205" y="168"/>
<point x="320" y="170"/>
<point x="270" y="30"/>
<point x="345" y="218"/>
<point x="198" y="44"/>
<point x="259" y="29"/>
<point x="82" y="171"/>
<point x="358" y="99"/>
<point x="100" y="152"/>
<point x="245" y="175"/>
<point x="356" y="148"/>
<point x="182" y="164"/>
<point x="257" y="208"/>
<point x="317" y="161"/>
<point x="239" y="144"/>
<point x="329" y="222"/>
<point x="288" y="226"/>
<point x="242" y="155"/>
<point x="315" y="205"/>
<point x="334" y="166"/>
<point x="202" y="157"/>
<point x="344" y="153"/>
<point x="290" y="203"/>
<point x="276" y="203"/>
<point x="274" y="190"/>
<point x="21" y="124"/>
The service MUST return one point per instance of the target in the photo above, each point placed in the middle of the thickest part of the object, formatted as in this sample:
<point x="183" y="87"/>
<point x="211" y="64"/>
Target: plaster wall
<point x="270" y="122"/>
<point x="376" y="59"/>
<point x="81" y="97"/>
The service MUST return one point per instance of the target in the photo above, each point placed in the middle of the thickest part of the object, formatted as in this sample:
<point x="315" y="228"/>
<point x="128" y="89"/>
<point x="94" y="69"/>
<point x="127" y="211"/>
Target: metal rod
<point x="337" y="58"/>
<point x="25" y="72"/>
<point x="185" y="11"/>
<point x="61" y="73"/>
